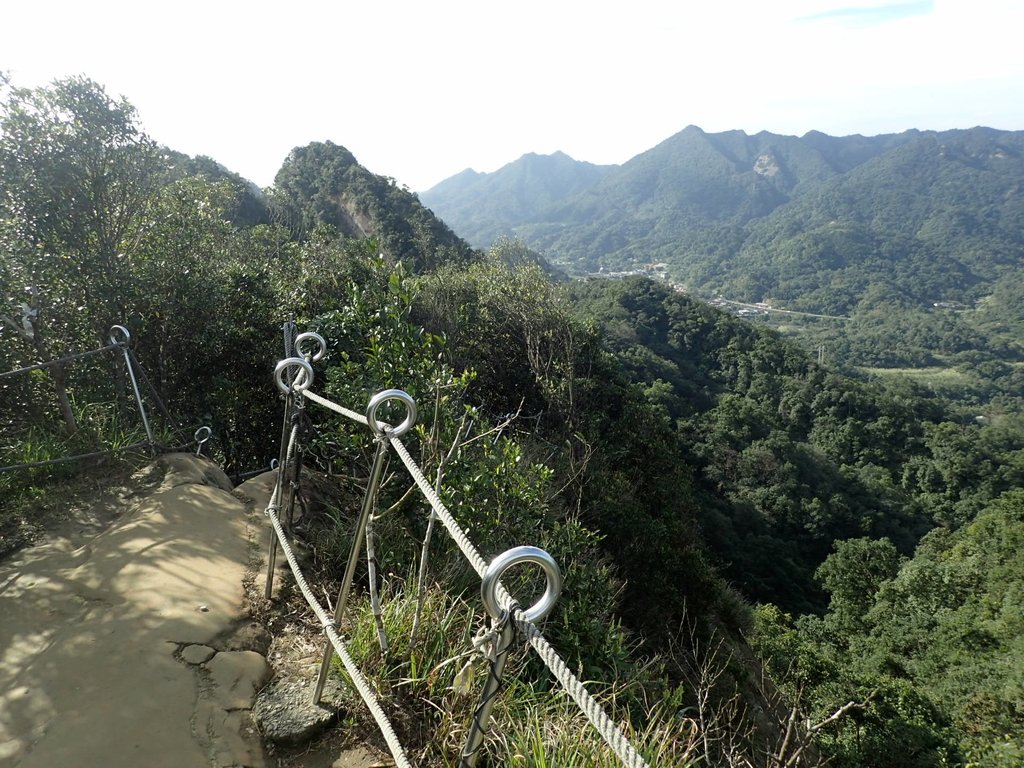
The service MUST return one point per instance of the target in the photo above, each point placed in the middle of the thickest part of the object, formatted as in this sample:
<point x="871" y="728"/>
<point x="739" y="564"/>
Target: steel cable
<point x="66" y="459"/>
<point x="593" y="710"/>
<point x="58" y="361"/>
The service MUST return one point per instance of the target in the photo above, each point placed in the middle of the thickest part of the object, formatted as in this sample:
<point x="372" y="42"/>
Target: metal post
<point x="289" y="330"/>
<point x="282" y="464"/>
<point x="202" y="436"/>
<point x="285" y="379"/>
<point x="482" y="716"/>
<point x="294" y="345"/>
<point x="293" y="471"/>
<point x="131" y="375"/>
<point x="489" y="588"/>
<point x="353" y="559"/>
<point x="290" y="389"/>
<point x="382" y="432"/>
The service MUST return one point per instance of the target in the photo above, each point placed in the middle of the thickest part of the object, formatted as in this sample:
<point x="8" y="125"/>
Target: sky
<point x="420" y="91"/>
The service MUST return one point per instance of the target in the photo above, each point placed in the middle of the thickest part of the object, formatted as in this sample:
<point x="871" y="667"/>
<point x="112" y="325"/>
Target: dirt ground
<point x="127" y="637"/>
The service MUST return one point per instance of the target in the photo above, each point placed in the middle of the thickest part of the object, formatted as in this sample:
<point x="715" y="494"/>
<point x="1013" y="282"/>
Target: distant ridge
<point x="813" y="220"/>
<point x="717" y="176"/>
<point x="489" y="205"/>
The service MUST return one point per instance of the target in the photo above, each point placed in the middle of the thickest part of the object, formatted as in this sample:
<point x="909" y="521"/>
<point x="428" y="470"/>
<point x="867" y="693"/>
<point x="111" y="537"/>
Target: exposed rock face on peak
<point x="766" y="165"/>
<point x="323" y="184"/>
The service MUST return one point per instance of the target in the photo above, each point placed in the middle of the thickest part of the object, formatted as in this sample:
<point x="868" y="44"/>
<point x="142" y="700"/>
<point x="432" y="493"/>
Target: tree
<point x="76" y="175"/>
<point x="852" y="576"/>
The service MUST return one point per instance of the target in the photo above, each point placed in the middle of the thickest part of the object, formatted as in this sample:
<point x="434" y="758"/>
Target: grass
<point x="535" y="724"/>
<point x="550" y="731"/>
<point x="33" y="497"/>
<point x="932" y="376"/>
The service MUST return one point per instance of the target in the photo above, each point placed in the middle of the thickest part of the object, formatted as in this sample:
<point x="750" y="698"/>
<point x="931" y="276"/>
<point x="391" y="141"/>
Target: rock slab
<point x="286" y="714"/>
<point x="90" y="670"/>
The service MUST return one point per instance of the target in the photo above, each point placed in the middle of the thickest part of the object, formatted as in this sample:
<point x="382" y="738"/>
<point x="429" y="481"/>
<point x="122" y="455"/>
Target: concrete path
<point x="132" y="649"/>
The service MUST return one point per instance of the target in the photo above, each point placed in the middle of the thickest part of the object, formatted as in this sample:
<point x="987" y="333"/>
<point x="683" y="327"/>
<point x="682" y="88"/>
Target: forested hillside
<point x="322" y="185"/>
<point x="768" y="561"/>
<point x="912" y="242"/>
<point x="663" y="202"/>
<point x="486" y="206"/>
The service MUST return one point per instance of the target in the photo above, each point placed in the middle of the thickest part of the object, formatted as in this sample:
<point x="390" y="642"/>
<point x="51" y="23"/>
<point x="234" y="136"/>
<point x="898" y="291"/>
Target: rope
<point x="595" y="713"/>
<point x="58" y="361"/>
<point x="335" y="407"/>
<point x="458" y="535"/>
<point x="604" y="725"/>
<point x="397" y="752"/>
<point x="598" y="718"/>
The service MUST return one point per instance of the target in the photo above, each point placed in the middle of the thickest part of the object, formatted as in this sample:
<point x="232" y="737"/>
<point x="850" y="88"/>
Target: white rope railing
<point x="594" y="712"/>
<point x="386" y="729"/>
<point x="335" y="407"/>
<point x="604" y="725"/>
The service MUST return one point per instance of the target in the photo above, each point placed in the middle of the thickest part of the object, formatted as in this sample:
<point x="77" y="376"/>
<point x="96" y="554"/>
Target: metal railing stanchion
<point x="373" y="485"/>
<point x="500" y="645"/>
<point x="131" y="374"/>
<point x="289" y="389"/>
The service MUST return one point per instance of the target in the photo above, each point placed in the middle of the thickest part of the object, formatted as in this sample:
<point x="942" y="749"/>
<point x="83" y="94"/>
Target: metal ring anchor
<point x="514" y="556"/>
<point x="321" y="346"/>
<point x="201" y="436"/>
<point x="302" y="381"/>
<point x="114" y="330"/>
<point x="382" y="397"/>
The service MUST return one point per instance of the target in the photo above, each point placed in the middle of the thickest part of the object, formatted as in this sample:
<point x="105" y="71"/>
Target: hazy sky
<point x="421" y="90"/>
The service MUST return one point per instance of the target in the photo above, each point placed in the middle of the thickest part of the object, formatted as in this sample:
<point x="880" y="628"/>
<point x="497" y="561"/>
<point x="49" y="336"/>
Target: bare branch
<point x="499" y="428"/>
<point x="837" y="714"/>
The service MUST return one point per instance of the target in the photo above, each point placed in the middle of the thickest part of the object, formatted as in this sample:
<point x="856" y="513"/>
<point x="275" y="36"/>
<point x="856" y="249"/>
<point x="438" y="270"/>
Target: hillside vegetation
<point x="767" y="561"/>
<point x="878" y="229"/>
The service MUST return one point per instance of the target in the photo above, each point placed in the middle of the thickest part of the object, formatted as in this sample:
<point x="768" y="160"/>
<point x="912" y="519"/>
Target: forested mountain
<point x="679" y="463"/>
<point x="322" y="184"/>
<point x="938" y="218"/>
<point x="485" y="206"/>
<point x="672" y="195"/>
<point x="877" y="229"/>
<point x="251" y="207"/>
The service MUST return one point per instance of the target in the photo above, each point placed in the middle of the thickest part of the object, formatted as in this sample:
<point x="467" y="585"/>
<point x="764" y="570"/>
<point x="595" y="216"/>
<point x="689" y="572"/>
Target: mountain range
<point x="911" y="242"/>
<point x="812" y="221"/>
